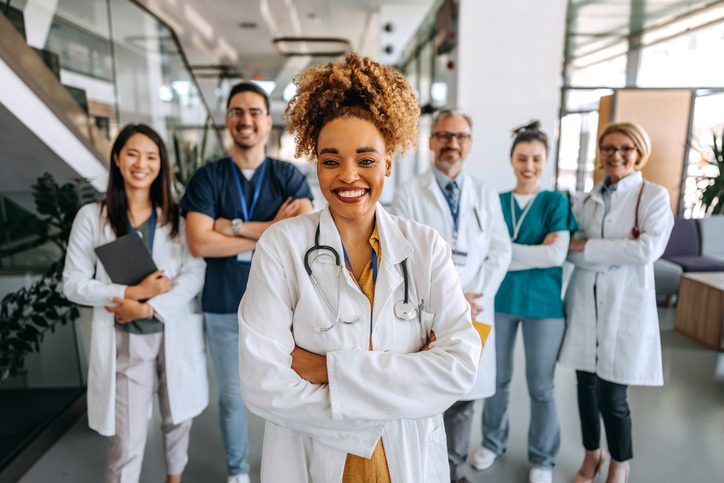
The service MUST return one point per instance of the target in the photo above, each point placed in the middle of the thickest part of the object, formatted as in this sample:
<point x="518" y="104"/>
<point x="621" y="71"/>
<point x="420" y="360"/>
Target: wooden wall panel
<point x="605" y="115"/>
<point x="664" y="114"/>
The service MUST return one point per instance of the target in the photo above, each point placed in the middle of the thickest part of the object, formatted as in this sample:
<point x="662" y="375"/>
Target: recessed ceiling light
<point x="248" y="25"/>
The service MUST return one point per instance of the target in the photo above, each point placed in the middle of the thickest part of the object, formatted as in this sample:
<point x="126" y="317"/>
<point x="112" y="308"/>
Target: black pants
<point x="598" y="398"/>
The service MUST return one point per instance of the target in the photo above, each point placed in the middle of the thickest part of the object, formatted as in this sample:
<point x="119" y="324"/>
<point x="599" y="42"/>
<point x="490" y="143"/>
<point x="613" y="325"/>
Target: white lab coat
<point x="393" y="391"/>
<point x="489" y="249"/>
<point x="85" y="282"/>
<point x="615" y="333"/>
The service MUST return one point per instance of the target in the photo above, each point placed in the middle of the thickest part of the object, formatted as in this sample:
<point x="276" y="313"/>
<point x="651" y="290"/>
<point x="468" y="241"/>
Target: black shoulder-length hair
<point x="115" y="203"/>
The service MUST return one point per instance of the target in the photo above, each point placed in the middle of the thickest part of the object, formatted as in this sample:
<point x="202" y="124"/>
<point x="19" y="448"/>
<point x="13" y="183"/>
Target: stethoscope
<point x="404" y="309"/>
<point x="518" y="223"/>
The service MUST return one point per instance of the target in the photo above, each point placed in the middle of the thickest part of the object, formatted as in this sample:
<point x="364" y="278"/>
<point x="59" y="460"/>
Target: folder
<point x="483" y="330"/>
<point x="126" y="260"/>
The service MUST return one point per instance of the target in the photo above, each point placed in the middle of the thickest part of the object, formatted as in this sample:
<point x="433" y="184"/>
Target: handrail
<point x="27" y="65"/>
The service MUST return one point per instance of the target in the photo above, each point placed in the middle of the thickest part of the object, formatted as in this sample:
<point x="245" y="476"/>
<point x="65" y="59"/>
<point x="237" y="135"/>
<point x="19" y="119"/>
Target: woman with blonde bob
<point x="612" y="338"/>
<point x="354" y="333"/>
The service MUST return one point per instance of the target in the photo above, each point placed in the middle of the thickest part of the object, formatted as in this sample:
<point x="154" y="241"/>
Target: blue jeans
<point x="542" y="340"/>
<point x="222" y="330"/>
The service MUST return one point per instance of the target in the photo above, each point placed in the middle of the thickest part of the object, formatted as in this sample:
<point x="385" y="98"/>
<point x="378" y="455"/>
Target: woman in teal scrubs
<point x="539" y="223"/>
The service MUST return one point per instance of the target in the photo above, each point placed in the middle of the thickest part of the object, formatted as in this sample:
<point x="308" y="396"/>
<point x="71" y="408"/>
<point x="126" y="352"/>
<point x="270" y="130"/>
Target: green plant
<point x="27" y="314"/>
<point x="189" y="157"/>
<point x="712" y="191"/>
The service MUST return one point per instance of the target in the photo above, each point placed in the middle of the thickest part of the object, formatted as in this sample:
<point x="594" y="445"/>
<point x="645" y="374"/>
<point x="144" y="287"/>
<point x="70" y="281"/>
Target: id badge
<point x="244" y="256"/>
<point x="459" y="258"/>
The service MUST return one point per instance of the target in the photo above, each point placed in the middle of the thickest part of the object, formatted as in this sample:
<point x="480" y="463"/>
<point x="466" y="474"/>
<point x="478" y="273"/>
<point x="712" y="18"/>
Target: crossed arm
<point x="211" y="238"/>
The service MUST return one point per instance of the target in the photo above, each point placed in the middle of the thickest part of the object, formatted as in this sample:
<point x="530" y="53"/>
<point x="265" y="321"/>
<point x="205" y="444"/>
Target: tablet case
<point x="126" y="260"/>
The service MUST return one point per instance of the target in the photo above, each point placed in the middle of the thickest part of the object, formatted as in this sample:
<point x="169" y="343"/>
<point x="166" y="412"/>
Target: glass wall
<point x="667" y="46"/>
<point x="426" y="65"/>
<point x="121" y="65"/>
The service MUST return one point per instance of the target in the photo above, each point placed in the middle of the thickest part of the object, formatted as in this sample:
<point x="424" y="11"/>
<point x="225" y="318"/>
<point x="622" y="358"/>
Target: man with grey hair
<point x="468" y="216"/>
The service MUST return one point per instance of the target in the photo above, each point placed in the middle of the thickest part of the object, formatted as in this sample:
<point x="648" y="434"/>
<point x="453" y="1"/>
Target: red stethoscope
<point x="636" y="230"/>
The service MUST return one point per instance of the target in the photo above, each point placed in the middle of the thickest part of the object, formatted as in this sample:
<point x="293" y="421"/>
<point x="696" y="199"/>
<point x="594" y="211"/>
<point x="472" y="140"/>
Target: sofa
<point x="694" y="246"/>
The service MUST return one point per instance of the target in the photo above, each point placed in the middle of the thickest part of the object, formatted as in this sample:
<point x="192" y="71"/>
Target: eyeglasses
<point x="446" y="137"/>
<point x="237" y="113"/>
<point x="612" y="150"/>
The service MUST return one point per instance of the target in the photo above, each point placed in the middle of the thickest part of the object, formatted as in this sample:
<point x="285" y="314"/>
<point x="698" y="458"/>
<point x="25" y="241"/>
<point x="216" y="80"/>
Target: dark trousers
<point x="598" y="398"/>
<point x="458" y="420"/>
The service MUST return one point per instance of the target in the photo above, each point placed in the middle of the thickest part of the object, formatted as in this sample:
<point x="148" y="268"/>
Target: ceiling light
<point x="267" y="85"/>
<point x="165" y="93"/>
<point x="312" y="46"/>
<point x="289" y="91"/>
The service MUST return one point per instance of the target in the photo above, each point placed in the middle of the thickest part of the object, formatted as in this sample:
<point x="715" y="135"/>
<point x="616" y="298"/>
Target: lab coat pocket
<point x="314" y="326"/>
<point x="436" y="465"/>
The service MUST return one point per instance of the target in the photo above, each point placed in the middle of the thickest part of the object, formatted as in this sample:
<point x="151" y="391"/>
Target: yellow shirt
<point x="356" y="468"/>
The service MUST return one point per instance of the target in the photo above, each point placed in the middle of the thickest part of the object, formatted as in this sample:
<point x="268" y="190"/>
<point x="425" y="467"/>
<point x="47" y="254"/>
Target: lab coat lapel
<point x="329" y="236"/>
<point x="433" y="190"/>
<point x="395" y="249"/>
<point x="465" y="211"/>
<point x="632" y="181"/>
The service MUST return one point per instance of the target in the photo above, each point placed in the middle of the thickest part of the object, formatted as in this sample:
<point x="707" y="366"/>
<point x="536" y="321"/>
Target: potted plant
<point x="711" y="193"/>
<point x="27" y="314"/>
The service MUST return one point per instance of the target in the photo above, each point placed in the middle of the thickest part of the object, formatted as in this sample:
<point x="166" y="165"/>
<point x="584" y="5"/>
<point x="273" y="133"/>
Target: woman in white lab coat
<point x="612" y="337"/>
<point x="143" y="332"/>
<point x="354" y="333"/>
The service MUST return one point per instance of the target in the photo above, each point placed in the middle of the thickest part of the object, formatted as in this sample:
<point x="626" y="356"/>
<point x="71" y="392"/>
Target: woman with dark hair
<point x="539" y="224"/>
<point x="354" y="332"/>
<point x="143" y="332"/>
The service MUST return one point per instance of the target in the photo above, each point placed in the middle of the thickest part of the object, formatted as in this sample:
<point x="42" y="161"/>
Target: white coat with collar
<point x="393" y="391"/>
<point x="487" y="244"/>
<point x="612" y="322"/>
<point x="85" y="282"/>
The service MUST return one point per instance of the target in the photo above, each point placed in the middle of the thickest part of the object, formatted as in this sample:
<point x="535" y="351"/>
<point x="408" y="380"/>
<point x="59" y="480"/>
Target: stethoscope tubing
<point x="337" y="261"/>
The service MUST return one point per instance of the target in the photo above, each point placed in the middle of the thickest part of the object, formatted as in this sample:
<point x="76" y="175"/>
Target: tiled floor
<point x="678" y="430"/>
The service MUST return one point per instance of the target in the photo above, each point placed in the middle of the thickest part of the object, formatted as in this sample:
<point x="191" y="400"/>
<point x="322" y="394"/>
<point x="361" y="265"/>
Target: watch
<point x="236" y="226"/>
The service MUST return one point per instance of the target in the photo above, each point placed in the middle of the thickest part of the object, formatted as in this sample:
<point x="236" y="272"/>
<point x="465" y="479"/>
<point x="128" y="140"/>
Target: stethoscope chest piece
<point x="405" y="310"/>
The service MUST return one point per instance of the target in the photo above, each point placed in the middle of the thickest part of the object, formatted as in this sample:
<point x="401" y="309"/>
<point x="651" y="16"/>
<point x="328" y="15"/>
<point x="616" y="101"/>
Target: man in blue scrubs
<point x="228" y="205"/>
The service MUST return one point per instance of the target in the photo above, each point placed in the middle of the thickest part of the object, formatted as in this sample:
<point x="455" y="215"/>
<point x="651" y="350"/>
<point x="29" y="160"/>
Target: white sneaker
<point x="482" y="459"/>
<point x="539" y="474"/>
<point x="244" y="478"/>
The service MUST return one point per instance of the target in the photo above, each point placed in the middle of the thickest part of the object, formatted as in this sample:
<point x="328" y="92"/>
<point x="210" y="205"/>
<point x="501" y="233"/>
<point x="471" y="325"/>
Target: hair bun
<point x="531" y="126"/>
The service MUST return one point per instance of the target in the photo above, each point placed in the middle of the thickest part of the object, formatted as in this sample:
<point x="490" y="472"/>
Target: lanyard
<point x="456" y="221"/>
<point x="152" y="232"/>
<point x="246" y="212"/>
<point x="374" y="262"/>
<point x="518" y="223"/>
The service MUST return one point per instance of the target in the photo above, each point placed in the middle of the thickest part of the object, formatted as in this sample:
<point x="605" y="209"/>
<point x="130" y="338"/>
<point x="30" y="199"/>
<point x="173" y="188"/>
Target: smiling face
<point x="139" y="162"/>
<point x="450" y="151"/>
<point x="248" y="120"/>
<point x="618" y="165"/>
<point x="351" y="167"/>
<point x="528" y="160"/>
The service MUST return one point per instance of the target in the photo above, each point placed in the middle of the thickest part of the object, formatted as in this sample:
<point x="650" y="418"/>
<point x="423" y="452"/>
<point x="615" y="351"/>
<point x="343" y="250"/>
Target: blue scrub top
<point x="535" y="292"/>
<point x="213" y="191"/>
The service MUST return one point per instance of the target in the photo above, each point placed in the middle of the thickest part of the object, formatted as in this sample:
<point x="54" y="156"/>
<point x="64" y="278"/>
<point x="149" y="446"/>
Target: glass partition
<point x="121" y="65"/>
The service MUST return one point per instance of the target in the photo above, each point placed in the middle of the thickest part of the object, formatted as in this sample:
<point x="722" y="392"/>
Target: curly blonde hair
<point x="357" y="87"/>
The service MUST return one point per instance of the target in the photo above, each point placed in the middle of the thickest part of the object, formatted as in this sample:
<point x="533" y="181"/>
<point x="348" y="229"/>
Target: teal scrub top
<point x="536" y="292"/>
